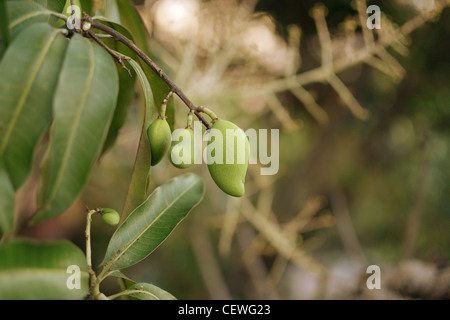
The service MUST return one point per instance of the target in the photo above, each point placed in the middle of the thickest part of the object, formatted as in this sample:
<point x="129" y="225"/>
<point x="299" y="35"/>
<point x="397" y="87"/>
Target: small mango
<point x="185" y="143"/>
<point x="227" y="157"/>
<point x="160" y="137"/>
<point x="110" y="216"/>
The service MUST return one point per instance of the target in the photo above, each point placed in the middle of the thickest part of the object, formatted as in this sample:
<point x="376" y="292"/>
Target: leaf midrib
<point x="28" y="85"/>
<point x="28" y="16"/>
<point x="78" y="116"/>
<point x="142" y="291"/>
<point x="117" y="256"/>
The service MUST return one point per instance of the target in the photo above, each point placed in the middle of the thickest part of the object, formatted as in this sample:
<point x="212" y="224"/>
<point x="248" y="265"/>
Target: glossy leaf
<point x="6" y="201"/>
<point x="139" y="179"/>
<point x="30" y="68"/>
<point x="126" y="85"/>
<point x="152" y="222"/>
<point x="83" y="108"/>
<point x="148" y="291"/>
<point x="42" y="271"/>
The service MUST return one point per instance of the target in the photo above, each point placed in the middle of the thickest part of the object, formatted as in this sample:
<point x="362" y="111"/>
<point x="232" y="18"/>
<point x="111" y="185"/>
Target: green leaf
<point x="42" y="271"/>
<point x="126" y="85"/>
<point x="32" y="64"/>
<point x="147" y="90"/>
<point x="4" y="28"/>
<point x="130" y="18"/>
<point x="84" y="104"/>
<point x="153" y="221"/>
<point x="112" y="11"/>
<point x="53" y="5"/>
<point x="147" y="291"/>
<point x="86" y="5"/>
<point x="137" y="189"/>
<point x="23" y="13"/>
<point x="6" y="201"/>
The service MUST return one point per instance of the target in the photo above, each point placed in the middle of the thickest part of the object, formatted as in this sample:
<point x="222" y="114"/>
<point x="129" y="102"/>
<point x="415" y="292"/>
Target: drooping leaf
<point x="147" y="91"/>
<point x="126" y="85"/>
<point x="42" y="271"/>
<point x="137" y="189"/>
<point x="84" y="104"/>
<point x="130" y="18"/>
<point x="112" y="11"/>
<point x="6" y="201"/>
<point x="148" y="291"/>
<point x="152" y="222"/>
<point x="32" y="64"/>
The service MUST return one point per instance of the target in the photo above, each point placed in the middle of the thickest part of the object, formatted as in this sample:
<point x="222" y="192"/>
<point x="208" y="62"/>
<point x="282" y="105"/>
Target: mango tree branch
<point x="130" y="44"/>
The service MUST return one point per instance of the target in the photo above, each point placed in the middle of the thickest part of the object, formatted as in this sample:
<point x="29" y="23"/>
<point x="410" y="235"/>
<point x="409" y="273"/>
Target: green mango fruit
<point x="110" y="216"/>
<point x="176" y="151"/>
<point x="160" y="137"/>
<point x="228" y="175"/>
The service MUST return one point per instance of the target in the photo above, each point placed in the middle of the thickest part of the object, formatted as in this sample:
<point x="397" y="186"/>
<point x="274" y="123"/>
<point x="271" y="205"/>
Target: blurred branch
<point x="391" y="36"/>
<point x="346" y="229"/>
<point x="318" y="13"/>
<point x="257" y="271"/>
<point x="278" y="239"/>
<point x="230" y="223"/>
<point x="346" y="95"/>
<point x="415" y="214"/>
<point x="208" y="264"/>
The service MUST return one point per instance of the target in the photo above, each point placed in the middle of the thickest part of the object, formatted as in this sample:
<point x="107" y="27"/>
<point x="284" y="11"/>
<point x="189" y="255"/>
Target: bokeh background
<point x="364" y="151"/>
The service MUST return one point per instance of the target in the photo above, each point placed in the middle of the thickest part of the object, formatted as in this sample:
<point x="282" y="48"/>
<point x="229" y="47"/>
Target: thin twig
<point x="348" y="98"/>
<point x="319" y="13"/>
<point x="118" y="57"/>
<point x="415" y="215"/>
<point x="130" y="44"/>
<point x="346" y="229"/>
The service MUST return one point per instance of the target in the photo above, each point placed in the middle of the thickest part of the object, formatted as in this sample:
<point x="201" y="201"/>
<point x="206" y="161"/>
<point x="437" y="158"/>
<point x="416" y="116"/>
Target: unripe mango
<point x="110" y="216"/>
<point x="230" y="152"/>
<point x="176" y="152"/>
<point x="160" y="137"/>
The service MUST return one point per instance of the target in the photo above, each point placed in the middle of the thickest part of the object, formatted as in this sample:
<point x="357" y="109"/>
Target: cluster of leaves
<point x="62" y="92"/>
